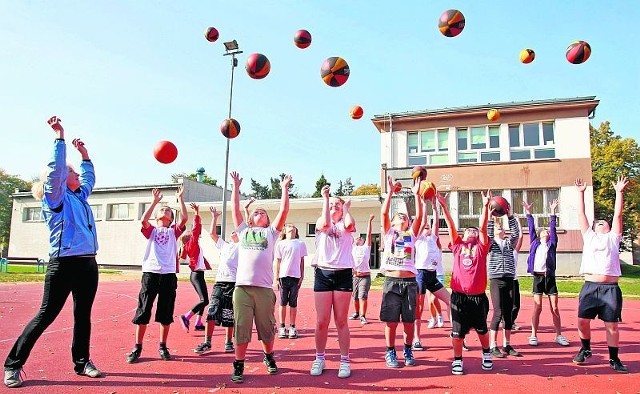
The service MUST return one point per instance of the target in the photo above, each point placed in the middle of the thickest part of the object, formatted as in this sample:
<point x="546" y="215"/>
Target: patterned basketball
<point x="230" y="128"/>
<point x="302" y="39"/>
<point x="578" y="52"/>
<point x="427" y="190"/>
<point x="419" y="173"/>
<point x="211" y="34"/>
<point x="527" y="55"/>
<point x="397" y="187"/>
<point x="258" y="66"/>
<point x="493" y="115"/>
<point x="165" y="152"/>
<point x="451" y="23"/>
<point x="334" y="71"/>
<point x="500" y="205"/>
<point x="356" y="112"/>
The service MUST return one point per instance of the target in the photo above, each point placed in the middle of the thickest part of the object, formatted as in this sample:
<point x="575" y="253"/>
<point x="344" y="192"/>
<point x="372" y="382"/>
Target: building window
<point x="119" y="211"/>
<point x="470" y="208"/>
<point x="142" y="209"/>
<point x="428" y="147"/>
<point x="478" y="144"/>
<point x="33" y="214"/>
<point x="311" y="229"/>
<point x="97" y="211"/>
<point x="540" y="198"/>
<point x="532" y="141"/>
<point x="219" y="229"/>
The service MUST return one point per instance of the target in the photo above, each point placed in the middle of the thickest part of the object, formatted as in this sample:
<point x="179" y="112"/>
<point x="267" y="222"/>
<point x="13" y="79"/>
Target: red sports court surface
<point x="543" y="369"/>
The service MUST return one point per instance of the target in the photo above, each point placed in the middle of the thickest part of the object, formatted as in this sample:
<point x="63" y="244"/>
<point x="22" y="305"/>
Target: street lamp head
<point x="231" y="45"/>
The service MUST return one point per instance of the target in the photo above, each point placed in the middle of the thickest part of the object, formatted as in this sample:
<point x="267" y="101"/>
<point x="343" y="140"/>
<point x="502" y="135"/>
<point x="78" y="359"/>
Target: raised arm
<point x="371" y="217"/>
<point x="514" y="228"/>
<point x="386" y="205"/>
<point x="325" y="217"/>
<point x="197" y="223"/>
<point x="435" y="225"/>
<point x="235" y="199"/>
<point x="553" y="235"/>
<point x="530" y="222"/>
<point x="55" y="184"/>
<point x="246" y="208"/>
<point x="616" y="225"/>
<point x="417" y="221"/>
<point x="520" y="236"/>
<point x="453" y="231"/>
<point x="582" y="216"/>
<point x="484" y="218"/>
<point x="184" y="214"/>
<point x="87" y="172"/>
<point x="213" y="230"/>
<point x="157" y="196"/>
<point x="281" y="217"/>
<point x="347" y="217"/>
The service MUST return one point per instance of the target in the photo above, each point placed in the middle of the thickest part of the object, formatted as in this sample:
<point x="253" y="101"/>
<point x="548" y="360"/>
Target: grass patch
<point x="29" y="273"/>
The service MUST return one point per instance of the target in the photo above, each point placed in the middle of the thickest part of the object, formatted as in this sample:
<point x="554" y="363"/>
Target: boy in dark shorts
<point x="469" y="303"/>
<point x="600" y="295"/>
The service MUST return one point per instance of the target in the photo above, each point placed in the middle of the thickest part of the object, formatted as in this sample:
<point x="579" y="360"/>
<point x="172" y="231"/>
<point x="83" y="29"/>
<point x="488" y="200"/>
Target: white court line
<point x="92" y="322"/>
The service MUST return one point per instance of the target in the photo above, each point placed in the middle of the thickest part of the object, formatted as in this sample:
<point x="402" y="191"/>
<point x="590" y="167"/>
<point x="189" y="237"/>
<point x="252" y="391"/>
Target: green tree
<point x="340" y="190"/>
<point x="194" y="176"/>
<point x="8" y="185"/>
<point x="273" y="191"/>
<point x="611" y="157"/>
<point x="367" y="190"/>
<point x="347" y="187"/>
<point x="320" y="183"/>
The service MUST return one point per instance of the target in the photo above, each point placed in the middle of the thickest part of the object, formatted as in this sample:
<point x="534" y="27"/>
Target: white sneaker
<point x="457" y="367"/>
<point x="533" y="341"/>
<point x="363" y="320"/>
<point x="440" y="321"/>
<point x="282" y="332"/>
<point x="293" y="333"/>
<point x="487" y="361"/>
<point x="562" y="341"/>
<point x="345" y="370"/>
<point x="317" y="367"/>
<point x="432" y="323"/>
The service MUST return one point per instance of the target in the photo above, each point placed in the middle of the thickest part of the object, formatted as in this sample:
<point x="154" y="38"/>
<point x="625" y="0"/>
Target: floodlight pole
<point x="234" y="64"/>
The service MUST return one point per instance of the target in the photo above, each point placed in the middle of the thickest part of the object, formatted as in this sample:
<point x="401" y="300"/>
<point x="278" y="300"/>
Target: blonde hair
<point x="37" y="188"/>
<point x="183" y="239"/>
<point x="250" y="219"/>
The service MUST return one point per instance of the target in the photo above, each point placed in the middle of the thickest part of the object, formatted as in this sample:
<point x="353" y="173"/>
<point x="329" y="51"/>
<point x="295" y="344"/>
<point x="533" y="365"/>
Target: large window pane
<point x="463" y="143"/>
<point x="476" y="198"/>
<point x="489" y="156"/>
<point x="536" y="198"/>
<point x="97" y="211"/>
<point x="478" y="137"/>
<point x="516" y="201"/>
<point x="545" y="153"/>
<point x="412" y="142"/>
<point x="428" y="141"/>
<point x="514" y="135"/>
<point x="547" y="134"/>
<point x="520" y="154"/>
<point x="463" y="203"/>
<point x="439" y="159"/>
<point x="417" y="160"/>
<point x="494" y="137"/>
<point x="467" y="157"/>
<point x="531" y="134"/>
<point x="443" y="140"/>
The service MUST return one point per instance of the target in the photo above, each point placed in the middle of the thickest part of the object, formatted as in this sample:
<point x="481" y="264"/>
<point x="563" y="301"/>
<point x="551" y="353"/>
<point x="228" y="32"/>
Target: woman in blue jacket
<point x="72" y="266"/>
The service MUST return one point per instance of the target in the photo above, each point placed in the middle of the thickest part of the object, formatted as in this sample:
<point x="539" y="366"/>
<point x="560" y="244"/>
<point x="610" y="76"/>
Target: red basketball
<point x="356" y="112"/>
<point x="335" y="71"/>
<point x="258" y="66"/>
<point x="211" y="34"/>
<point x="302" y="39"/>
<point x="500" y="205"/>
<point x="451" y="23"/>
<point x="397" y="187"/>
<point x="230" y="128"/>
<point x="578" y="52"/>
<point x="165" y="152"/>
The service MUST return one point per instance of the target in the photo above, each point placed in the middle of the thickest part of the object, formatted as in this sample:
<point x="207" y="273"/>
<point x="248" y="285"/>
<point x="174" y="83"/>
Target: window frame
<point x="545" y="149"/>
<point x="99" y="215"/>
<point x="32" y="215"/>
<point x="478" y="152"/>
<point x="472" y="216"/>
<point x="425" y="157"/>
<point x="311" y="230"/>
<point x="110" y="215"/>
<point x="541" y="219"/>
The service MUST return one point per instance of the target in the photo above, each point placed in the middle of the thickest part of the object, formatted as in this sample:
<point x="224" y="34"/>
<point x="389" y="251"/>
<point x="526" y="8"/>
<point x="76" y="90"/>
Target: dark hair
<point x="593" y="225"/>
<point x="473" y="227"/>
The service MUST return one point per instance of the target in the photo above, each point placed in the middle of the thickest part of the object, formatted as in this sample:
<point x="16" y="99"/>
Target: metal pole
<point x="234" y="63"/>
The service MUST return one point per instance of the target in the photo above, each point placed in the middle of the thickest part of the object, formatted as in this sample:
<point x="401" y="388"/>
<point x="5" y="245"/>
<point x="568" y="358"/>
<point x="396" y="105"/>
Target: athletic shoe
<point x="464" y="346"/>
<point x="345" y="370"/>
<point x="228" y="347"/>
<point x="134" y="355"/>
<point x="363" y="320"/>
<point x="90" y="370"/>
<point x="409" y="360"/>
<point x="511" y="351"/>
<point x="184" y="322"/>
<point x="562" y="341"/>
<point x="199" y="327"/>
<point x="495" y="352"/>
<point x="533" y="341"/>
<point x="270" y="362"/>
<point x="293" y="333"/>
<point x="12" y="377"/>
<point x="487" y="361"/>
<point x="317" y="367"/>
<point x="391" y="359"/>
<point x="282" y="332"/>
<point x="615" y="364"/>
<point x="164" y="354"/>
<point x="238" y="371"/>
<point x="203" y="348"/>
<point x="582" y="356"/>
<point x="456" y="367"/>
<point x="515" y="327"/>
<point x="355" y="316"/>
<point x="417" y="346"/>
<point x="432" y="323"/>
<point x="440" y="321"/>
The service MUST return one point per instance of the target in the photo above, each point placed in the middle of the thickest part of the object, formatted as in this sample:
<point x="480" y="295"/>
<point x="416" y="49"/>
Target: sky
<point x="123" y="75"/>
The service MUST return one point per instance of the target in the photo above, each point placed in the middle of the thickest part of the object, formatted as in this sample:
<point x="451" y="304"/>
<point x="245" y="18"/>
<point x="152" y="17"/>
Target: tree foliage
<point x="194" y="177"/>
<point x="320" y="183"/>
<point x="611" y="157"/>
<point x="367" y="190"/>
<point x="344" y="188"/>
<point x="272" y="190"/>
<point x="8" y="185"/>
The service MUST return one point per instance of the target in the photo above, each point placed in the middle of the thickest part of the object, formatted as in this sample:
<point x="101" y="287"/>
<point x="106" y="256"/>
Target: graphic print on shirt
<point x="467" y="255"/>
<point x="162" y="235"/>
<point x="255" y="240"/>
<point x="401" y="249"/>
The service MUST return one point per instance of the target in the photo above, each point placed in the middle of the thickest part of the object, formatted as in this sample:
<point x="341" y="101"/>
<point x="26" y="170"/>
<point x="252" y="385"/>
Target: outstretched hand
<point x="79" y="145"/>
<point x="216" y="214"/>
<point x="621" y="184"/>
<point x="237" y="181"/>
<point x="324" y="192"/>
<point x="580" y="185"/>
<point x="157" y="195"/>
<point x="195" y="207"/>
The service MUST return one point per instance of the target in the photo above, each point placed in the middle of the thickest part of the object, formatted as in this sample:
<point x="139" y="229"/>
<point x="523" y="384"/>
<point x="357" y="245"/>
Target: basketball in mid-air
<point x="527" y="55"/>
<point x="500" y="205"/>
<point x="165" y="152"/>
<point x="356" y="112"/>
<point x="230" y="128"/>
<point x="451" y="23"/>
<point x="334" y="71"/>
<point x="427" y="190"/>
<point x="211" y="34"/>
<point x="578" y="52"/>
<point x="493" y="115"/>
<point x="419" y="173"/>
<point x="258" y="66"/>
<point x="302" y="39"/>
<point x="397" y="187"/>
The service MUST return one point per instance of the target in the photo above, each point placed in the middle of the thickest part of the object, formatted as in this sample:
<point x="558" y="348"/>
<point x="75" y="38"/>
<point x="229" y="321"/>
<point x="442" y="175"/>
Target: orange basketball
<point x="427" y="190"/>
<point x="165" y="152"/>
<point x="493" y="115"/>
<point x="356" y="112"/>
<point x="230" y="128"/>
